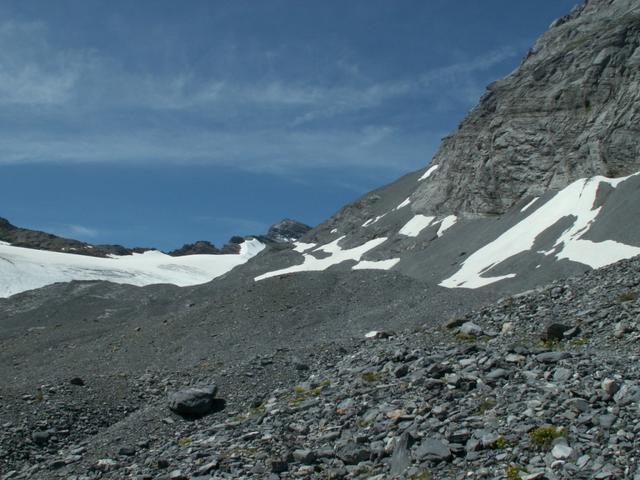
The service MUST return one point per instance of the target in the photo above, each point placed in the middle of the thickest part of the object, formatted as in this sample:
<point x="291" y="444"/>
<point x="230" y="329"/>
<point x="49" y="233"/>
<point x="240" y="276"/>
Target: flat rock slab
<point x="434" y="450"/>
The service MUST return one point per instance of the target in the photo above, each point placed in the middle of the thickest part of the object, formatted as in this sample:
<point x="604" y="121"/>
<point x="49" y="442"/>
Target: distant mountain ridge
<point x="23" y="237"/>
<point x="286" y="230"/>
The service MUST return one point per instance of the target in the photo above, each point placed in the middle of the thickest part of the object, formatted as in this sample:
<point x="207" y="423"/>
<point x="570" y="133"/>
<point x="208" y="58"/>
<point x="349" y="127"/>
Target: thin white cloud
<point x="255" y="125"/>
<point x="258" y="151"/>
<point x="83" y="231"/>
<point x="68" y="230"/>
<point x="33" y="73"/>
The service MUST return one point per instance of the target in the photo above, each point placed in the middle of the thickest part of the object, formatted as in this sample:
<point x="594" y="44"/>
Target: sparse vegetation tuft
<point x="302" y="393"/>
<point x="512" y="472"/>
<point x="370" y="377"/>
<point x="628" y="297"/>
<point x="486" y="405"/>
<point x="543" y="437"/>
<point x="421" y="475"/>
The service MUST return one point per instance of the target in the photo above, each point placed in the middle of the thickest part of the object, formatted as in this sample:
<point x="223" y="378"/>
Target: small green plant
<point x="465" y="337"/>
<point x="363" y="423"/>
<point x="628" y="297"/>
<point x="485" y="405"/>
<point x="184" y="441"/>
<point x="501" y="443"/>
<point x="543" y="437"/>
<point x="549" y="342"/>
<point x="421" y="475"/>
<point x="512" y="472"/>
<point x="370" y="377"/>
<point x="301" y="393"/>
<point x="580" y="341"/>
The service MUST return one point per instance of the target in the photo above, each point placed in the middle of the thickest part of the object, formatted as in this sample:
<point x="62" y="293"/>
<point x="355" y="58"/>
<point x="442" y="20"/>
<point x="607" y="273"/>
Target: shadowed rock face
<point x="201" y="247"/>
<point x="286" y="230"/>
<point x="570" y="110"/>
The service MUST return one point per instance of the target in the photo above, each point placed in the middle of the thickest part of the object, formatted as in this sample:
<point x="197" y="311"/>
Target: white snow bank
<point x="414" y="226"/>
<point x="406" y="202"/>
<point x="526" y="207"/>
<point x="24" y="269"/>
<point x="574" y="201"/>
<point x="428" y="173"/>
<point x="446" y="223"/>
<point x="302" y="247"/>
<point x="377" y="264"/>
<point x="371" y="221"/>
<point x="337" y="255"/>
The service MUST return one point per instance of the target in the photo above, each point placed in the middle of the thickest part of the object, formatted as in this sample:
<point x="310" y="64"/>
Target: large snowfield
<point x="24" y="269"/>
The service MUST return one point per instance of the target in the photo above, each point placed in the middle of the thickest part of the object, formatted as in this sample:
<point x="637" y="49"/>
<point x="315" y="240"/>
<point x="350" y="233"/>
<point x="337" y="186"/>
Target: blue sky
<point x="157" y="123"/>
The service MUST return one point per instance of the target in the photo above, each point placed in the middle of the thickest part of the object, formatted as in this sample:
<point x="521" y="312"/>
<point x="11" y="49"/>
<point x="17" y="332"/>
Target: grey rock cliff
<point x="570" y="110"/>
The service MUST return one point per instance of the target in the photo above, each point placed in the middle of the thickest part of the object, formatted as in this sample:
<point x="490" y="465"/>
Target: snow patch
<point x="303" y="247"/>
<point x="335" y="230"/>
<point x="446" y="223"/>
<point x="574" y="201"/>
<point x="337" y="255"/>
<point x="371" y="221"/>
<point x="406" y="202"/>
<point x="526" y="207"/>
<point x="6" y="244"/>
<point x="24" y="269"/>
<point x="428" y="173"/>
<point x="414" y="226"/>
<point x="376" y="265"/>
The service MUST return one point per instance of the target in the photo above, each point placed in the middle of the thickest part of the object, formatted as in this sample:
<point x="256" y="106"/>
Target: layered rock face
<point x="570" y="110"/>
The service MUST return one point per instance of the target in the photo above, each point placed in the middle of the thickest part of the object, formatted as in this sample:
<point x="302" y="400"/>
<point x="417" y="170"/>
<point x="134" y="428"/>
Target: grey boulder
<point x="194" y="401"/>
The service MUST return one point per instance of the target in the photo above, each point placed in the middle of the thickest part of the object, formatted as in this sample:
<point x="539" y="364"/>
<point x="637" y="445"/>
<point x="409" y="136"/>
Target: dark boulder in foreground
<point x="194" y="401"/>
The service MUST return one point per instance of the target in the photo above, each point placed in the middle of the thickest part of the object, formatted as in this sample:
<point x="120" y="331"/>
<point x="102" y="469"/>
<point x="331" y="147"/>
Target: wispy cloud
<point x="105" y="112"/>
<point x="256" y="151"/>
<point x="31" y="71"/>
<point x="83" y="231"/>
<point x="67" y="230"/>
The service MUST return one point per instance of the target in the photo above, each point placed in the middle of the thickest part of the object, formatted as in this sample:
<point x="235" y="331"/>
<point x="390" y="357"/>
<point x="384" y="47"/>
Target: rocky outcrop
<point x="570" y="110"/>
<point x="201" y="247"/>
<point x="286" y="231"/>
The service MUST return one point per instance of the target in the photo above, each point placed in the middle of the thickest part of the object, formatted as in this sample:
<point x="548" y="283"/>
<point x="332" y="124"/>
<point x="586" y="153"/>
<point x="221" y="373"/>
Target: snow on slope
<point x="414" y="226"/>
<point x="574" y="201"/>
<point x="404" y="203"/>
<point x="428" y="173"/>
<point x="25" y="269"/>
<point x="337" y="255"/>
<point x="446" y="223"/>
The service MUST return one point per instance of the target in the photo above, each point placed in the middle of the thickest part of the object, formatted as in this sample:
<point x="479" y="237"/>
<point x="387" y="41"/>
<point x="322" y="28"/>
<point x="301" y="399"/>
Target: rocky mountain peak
<point x="201" y="247"/>
<point x="570" y="110"/>
<point x="287" y="230"/>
